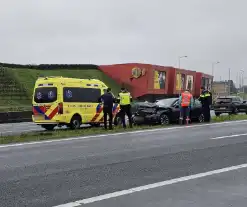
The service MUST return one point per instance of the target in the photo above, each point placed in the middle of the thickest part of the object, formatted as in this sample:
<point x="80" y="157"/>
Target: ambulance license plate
<point x="39" y="117"/>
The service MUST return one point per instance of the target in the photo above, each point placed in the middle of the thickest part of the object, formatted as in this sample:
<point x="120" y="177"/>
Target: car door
<point x="242" y="105"/>
<point x="175" y="111"/>
<point x="238" y="103"/>
<point x="196" y="109"/>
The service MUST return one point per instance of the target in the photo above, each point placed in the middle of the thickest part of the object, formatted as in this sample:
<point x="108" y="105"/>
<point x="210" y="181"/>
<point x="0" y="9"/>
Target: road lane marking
<point x="119" y="133"/>
<point x="229" y="136"/>
<point x="26" y="130"/>
<point x="151" y="186"/>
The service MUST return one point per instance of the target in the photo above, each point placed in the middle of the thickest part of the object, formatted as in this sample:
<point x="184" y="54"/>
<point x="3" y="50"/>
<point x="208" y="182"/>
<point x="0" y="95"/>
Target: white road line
<point x="20" y="123"/>
<point x="26" y="130"/>
<point x="151" y="186"/>
<point x="229" y="136"/>
<point x="120" y="133"/>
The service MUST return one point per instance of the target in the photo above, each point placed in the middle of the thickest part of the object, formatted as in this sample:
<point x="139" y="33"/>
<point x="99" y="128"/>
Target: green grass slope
<point x="19" y="83"/>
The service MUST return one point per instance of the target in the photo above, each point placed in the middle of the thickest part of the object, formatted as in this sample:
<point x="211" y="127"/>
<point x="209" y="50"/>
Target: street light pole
<point x="185" y="56"/>
<point x="213" y="64"/>
<point x="229" y="82"/>
<point x="242" y="79"/>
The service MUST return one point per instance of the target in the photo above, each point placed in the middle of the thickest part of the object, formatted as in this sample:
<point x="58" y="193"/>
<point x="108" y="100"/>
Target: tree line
<point x="50" y="66"/>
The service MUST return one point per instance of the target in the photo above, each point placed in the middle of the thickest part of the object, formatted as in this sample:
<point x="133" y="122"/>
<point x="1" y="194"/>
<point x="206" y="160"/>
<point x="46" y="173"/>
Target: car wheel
<point x="217" y="114"/>
<point x="236" y="111"/>
<point x="138" y="121"/>
<point x="164" y="119"/>
<point x="133" y="120"/>
<point x="117" y="121"/>
<point x="201" y="118"/>
<point x="48" y="127"/>
<point x="75" y="122"/>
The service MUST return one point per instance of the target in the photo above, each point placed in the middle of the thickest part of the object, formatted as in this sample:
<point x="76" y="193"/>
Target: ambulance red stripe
<point x="53" y="113"/>
<point x="97" y="115"/>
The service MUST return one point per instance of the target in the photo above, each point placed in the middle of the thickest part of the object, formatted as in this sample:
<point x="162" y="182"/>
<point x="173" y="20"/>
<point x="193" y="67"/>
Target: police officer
<point x="185" y="103"/>
<point x="108" y="100"/>
<point x="124" y="98"/>
<point x="206" y="100"/>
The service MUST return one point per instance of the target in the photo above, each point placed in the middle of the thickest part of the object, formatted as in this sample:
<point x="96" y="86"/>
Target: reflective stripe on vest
<point x="186" y="97"/>
<point x="124" y="98"/>
<point x="205" y="95"/>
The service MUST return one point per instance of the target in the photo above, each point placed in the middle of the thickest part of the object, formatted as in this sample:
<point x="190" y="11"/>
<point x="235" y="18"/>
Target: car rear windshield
<point x="224" y="100"/>
<point x="45" y="95"/>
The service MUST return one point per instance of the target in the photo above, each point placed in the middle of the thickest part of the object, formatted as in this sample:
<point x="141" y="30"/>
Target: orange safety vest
<point x="186" y="97"/>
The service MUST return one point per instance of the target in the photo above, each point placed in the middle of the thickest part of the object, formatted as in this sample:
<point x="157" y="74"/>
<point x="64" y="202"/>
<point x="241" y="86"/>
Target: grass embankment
<point x="26" y="78"/>
<point x="59" y="134"/>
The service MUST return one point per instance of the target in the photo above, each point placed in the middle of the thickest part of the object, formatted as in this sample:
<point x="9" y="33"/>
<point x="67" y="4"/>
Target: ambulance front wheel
<point x="75" y="122"/>
<point x="48" y="127"/>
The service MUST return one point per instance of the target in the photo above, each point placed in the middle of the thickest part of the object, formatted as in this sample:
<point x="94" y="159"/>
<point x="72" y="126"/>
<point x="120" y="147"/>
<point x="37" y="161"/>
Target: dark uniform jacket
<point x="107" y="99"/>
<point x="206" y="98"/>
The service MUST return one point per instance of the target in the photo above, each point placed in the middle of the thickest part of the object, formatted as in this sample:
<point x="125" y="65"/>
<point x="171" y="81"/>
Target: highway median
<point x="66" y="133"/>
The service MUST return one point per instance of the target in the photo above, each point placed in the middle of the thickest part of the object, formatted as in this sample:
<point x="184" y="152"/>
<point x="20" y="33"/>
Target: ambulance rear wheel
<point x="48" y="127"/>
<point x="75" y="122"/>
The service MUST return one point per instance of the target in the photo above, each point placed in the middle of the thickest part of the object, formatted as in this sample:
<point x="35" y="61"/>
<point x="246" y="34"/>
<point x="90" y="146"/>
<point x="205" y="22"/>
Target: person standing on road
<point x="124" y="99"/>
<point x="185" y="103"/>
<point x="107" y="99"/>
<point x="206" y="101"/>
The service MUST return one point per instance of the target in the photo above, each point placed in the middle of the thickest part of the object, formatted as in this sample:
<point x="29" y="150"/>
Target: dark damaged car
<point x="164" y="112"/>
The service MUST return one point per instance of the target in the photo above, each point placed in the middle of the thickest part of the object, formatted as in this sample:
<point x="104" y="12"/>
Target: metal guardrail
<point x="15" y="117"/>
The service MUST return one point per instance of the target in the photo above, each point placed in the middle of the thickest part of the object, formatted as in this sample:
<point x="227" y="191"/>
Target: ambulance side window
<point x="76" y="94"/>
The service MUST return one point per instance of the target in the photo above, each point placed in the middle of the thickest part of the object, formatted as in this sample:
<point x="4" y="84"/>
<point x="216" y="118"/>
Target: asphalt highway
<point x="73" y="172"/>
<point x="18" y="128"/>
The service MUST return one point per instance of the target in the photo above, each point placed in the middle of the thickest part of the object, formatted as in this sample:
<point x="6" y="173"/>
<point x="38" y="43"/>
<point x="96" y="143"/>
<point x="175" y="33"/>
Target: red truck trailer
<point x="151" y="82"/>
<point x="180" y="80"/>
<point x="142" y="80"/>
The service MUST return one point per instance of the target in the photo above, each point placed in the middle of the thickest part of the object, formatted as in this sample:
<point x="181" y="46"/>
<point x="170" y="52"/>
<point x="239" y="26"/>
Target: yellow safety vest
<point x="124" y="98"/>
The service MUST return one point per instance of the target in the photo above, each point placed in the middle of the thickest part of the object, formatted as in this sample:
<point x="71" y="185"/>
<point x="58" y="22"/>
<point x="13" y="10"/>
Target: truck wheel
<point x="48" y="127"/>
<point x="75" y="122"/>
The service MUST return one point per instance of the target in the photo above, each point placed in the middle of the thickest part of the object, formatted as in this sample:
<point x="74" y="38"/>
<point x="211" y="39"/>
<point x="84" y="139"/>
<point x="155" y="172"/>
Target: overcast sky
<point x="114" y="31"/>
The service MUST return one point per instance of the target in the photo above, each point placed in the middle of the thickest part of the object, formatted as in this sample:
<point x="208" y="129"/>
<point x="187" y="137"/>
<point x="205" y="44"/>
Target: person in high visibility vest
<point x="125" y="99"/>
<point x="185" y="102"/>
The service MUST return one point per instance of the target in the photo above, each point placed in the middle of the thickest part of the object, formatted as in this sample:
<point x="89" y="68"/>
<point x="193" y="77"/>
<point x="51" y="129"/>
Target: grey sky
<point x="113" y="31"/>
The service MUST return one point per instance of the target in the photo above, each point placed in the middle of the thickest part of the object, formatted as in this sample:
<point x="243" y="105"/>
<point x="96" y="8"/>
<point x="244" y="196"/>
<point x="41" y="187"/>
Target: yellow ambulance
<point x="59" y="101"/>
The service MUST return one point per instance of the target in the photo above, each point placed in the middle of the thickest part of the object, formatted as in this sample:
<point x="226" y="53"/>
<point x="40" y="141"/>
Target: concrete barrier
<point x="15" y="117"/>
